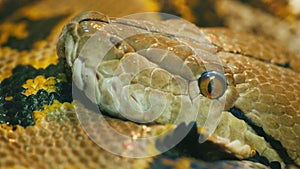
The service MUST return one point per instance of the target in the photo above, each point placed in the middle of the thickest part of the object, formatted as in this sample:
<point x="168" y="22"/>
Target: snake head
<point x="134" y="70"/>
<point x="77" y="32"/>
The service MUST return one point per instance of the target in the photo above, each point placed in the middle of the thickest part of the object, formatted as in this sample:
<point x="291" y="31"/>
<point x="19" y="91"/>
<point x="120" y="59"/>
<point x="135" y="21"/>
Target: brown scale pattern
<point x="269" y="103"/>
<point x="246" y="44"/>
<point x="269" y="94"/>
<point x="59" y="141"/>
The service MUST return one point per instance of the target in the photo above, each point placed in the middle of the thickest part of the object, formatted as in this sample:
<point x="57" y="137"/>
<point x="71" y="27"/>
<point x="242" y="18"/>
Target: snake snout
<point x="76" y="33"/>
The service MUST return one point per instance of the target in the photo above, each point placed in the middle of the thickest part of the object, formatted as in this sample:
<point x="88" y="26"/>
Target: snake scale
<point x="259" y="126"/>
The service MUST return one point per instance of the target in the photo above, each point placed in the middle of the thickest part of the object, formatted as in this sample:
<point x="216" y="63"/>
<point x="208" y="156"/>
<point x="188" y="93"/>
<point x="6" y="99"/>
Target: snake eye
<point x="212" y="84"/>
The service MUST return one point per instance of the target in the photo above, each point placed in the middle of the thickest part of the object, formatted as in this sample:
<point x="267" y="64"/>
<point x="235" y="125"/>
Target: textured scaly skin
<point x="58" y="141"/>
<point x="267" y="93"/>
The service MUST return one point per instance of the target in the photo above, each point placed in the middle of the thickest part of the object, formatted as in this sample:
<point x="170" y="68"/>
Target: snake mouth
<point x="275" y="144"/>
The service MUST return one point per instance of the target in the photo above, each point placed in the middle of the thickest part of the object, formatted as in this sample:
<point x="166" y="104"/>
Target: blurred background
<point x="275" y="19"/>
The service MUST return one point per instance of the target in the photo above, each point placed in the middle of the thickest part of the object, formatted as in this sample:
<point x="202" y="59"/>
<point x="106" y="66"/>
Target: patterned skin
<point x="57" y="140"/>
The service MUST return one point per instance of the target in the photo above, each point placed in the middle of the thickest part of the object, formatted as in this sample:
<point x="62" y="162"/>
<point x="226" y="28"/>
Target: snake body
<point x="267" y="94"/>
<point x="260" y="113"/>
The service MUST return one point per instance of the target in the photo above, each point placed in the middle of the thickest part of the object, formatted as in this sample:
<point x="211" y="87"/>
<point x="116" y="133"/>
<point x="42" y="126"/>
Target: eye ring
<point x="212" y="84"/>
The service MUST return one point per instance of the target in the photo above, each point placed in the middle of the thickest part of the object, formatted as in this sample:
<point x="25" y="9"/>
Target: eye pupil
<point x="212" y="84"/>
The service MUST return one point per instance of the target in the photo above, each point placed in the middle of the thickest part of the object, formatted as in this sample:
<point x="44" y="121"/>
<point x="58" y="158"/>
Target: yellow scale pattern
<point x="40" y="82"/>
<point x="57" y="140"/>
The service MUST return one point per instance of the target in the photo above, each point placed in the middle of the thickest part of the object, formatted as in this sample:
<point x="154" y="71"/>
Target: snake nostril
<point x="133" y="98"/>
<point x="115" y="41"/>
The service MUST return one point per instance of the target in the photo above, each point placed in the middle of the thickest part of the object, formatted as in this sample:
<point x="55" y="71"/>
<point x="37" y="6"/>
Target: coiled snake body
<point x="256" y="81"/>
<point x="260" y="89"/>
